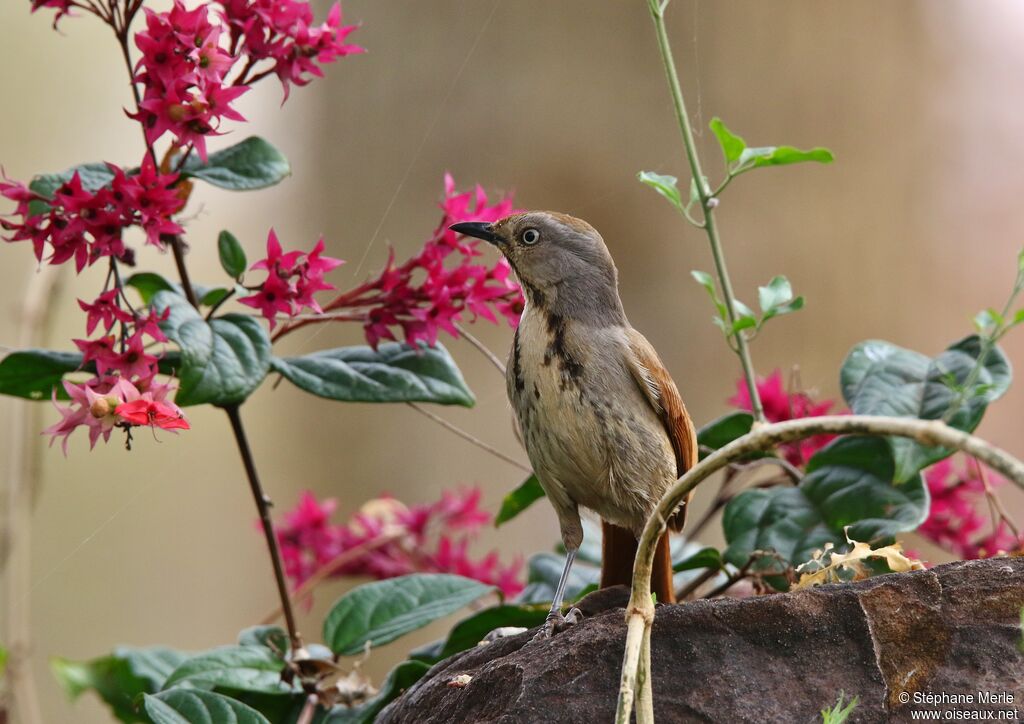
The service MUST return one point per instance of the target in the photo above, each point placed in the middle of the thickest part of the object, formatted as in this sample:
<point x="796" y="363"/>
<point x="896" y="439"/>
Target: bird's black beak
<point x="478" y="229"/>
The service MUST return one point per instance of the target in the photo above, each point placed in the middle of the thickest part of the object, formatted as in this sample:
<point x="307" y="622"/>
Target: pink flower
<point x="292" y="280"/>
<point x="386" y="538"/>
<point x="780" y="405"/>
<point x="110" y="401"/>
<point x="182" y="70"/>
<point x="85" y="226"/>
<point x="104" y="309"/>
<point x="954" y="521"/>
<point x="283" y="32"/>
<point x="442" y="284"/>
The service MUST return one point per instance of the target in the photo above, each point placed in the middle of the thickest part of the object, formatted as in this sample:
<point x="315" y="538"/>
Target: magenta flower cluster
<point x="955" y="521"/>
<point x="441" y="285"/>
<point x="386" y="538"/>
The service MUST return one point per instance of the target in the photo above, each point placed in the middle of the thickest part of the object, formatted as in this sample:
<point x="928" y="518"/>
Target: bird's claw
<point x="556" y="621"/>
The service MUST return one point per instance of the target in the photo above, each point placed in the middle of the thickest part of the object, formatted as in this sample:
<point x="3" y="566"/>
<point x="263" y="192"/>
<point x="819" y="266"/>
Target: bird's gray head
<point x="561" y="262"/>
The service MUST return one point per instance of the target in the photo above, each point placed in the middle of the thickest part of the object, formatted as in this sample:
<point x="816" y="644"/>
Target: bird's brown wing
<point x="661" y="392"/>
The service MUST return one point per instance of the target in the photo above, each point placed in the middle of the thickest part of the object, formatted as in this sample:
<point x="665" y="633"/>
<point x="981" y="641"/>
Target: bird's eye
<point x="531" y="236"/>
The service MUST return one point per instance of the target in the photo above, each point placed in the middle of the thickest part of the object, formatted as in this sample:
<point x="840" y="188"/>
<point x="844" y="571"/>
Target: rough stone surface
<point x="953" y="629"/>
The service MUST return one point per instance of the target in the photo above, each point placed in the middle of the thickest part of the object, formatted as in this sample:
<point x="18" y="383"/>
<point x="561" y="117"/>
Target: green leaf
<point x="3" y="660"/>
<point x="223" y="361"/>
<point x="721" y="431"/>
<point x="778" y="292"/>
<point x="147" y="284"/>
<point x="849" y="485"/>
<point x="705" y="280"/>
<point x="35" y="373"/>
<point x="119" y="679"/>
<point x="94" y="176"/>
<point x="470" y="631"/>
<point x="232" y="255"/>
<point x="704" y="558"/>
<point x="272" y="637"/>
<point x="543" y="572"/>
<point x="519" y="500"/>
<point x="839" y="713"/>
<point x="393" y="373"/>
<point x="191" y="706"/>
<point x="214" y="296"/>
<point x="380" y="612"/>
<point x="667" y="186"/>
<point x="251" y="164"/>
<point x="399" y="679"/>
<point x="781" y="156"/>
<point x="745" y="317"/>
<point x="880" y="378"/>
<point x="790" y="306"/>
<point x="732" y="145"/>
<point x="246" y="668"/>
<point x="987" y="319"/>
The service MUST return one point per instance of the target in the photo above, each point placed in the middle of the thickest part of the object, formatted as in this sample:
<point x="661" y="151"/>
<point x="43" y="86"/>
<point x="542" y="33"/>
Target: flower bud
<point x="100" y="407"/>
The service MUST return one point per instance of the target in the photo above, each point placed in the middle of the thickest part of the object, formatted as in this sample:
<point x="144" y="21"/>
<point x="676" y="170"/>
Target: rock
<point x="893" y="641"/>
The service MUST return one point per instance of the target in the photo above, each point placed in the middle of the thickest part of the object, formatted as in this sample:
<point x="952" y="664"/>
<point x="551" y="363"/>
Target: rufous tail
<point x="618" y="549"/>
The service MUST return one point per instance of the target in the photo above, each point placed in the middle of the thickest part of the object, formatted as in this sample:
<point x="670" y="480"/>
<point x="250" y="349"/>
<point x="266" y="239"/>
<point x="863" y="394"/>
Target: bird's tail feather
<point x="618" y="549"/>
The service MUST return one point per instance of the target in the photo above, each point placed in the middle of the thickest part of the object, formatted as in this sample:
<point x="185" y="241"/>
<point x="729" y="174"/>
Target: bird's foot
<point x="556" y="621"/>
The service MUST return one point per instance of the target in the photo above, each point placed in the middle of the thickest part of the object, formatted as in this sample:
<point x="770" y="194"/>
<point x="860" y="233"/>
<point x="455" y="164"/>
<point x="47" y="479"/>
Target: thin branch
<point x="683" y="593"/>
<point x="263" y="505"/>
<point x="328" y="569"/>
<point x="483" y="348"/>
<point x="469" y="437"/>
<point x="931" y="433"/>
<point x="707" y="202"/>
<point x="995" y="504"/>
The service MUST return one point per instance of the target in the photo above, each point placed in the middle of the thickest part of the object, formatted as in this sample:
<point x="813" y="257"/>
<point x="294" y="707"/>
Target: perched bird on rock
<point x="602" y="421"/>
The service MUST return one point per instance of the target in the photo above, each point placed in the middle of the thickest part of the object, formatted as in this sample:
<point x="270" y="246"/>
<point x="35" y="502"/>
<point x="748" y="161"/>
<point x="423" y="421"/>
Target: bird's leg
<point x="555" y="617"/>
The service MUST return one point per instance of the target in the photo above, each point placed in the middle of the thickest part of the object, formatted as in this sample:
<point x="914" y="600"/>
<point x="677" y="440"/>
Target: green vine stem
<point x="640" y="612"/>
<point x="708" y="202"/>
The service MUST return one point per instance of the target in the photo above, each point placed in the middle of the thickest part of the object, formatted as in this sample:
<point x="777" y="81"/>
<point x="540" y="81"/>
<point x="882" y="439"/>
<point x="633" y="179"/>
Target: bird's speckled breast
<point x="606" y="452"/>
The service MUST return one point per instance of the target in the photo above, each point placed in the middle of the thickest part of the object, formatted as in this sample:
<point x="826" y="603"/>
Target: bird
<point x="602" y="421"/>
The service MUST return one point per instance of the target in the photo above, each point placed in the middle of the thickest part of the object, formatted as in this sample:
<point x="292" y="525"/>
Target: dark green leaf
<point x="392" y="373"/>
<point x="664" y="185"/>
<point x="214" y="296"/>
<point x="399" y="679"/>
<point x="272" y="637"/>
<point x="251" y="164"/>
<point x="849" y="483"/>
<point x="222" y="361"/>
<point x="246" y="668"/>
<point x="732" y="145"/>
<point x="378" y="613"/>
<point x="232" y="255"/>
<point x="94" y="176"/>
<point x="120" y="679"/>
<point x="35" y="373"/>
<point x="780" y="156"/>
<point x="192" y="706"/>
<point x="470" y="631"/>
<point x="519" y="500"/>
<point x="147" y="284"/>
<point x="879" y="378"/>
<point x="543" y="572"/>
<point x="720" y="432"/>
<point x="704" y="558"/>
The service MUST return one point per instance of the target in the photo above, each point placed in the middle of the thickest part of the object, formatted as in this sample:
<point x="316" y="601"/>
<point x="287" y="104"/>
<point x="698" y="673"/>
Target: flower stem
<point x="263" y="506"/>
<point x="707" y="202"/>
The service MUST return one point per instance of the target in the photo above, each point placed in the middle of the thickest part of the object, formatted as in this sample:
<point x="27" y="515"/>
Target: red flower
<point x="104" y="309"/>
<point x="954" y="521"/>
<point x="394" y="540"/>
<point x="780" y="405"/>
<point x="292" y="280"/>
<point x="155" y="414"/>
<point x="437" y="287"/>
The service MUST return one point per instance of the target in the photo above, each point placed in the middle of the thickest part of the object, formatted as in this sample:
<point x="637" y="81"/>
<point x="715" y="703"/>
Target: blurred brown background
<point x="914" y="228"/>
